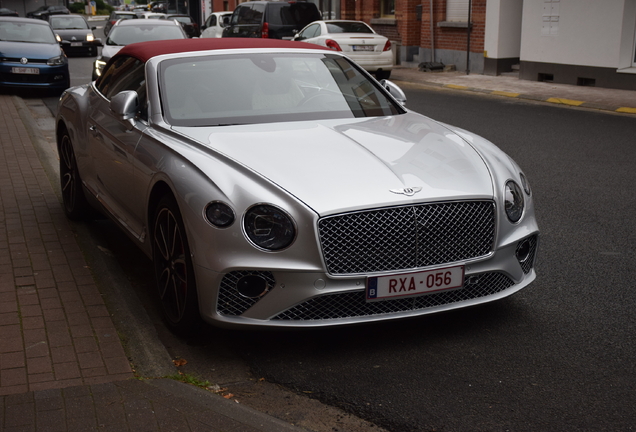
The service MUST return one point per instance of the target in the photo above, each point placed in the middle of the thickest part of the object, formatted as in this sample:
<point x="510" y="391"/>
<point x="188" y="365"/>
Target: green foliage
<point x="189" y="379"/>
<point x="77" y="7"/>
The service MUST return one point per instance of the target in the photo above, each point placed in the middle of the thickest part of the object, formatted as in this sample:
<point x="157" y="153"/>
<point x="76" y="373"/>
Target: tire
<point x="174" y="272"/>
<point x="74" y="201"/>
<point x="382" y="74"/>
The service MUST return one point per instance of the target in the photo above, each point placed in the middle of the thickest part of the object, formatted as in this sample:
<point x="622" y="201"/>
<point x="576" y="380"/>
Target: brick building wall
<point x="411" y="30"/>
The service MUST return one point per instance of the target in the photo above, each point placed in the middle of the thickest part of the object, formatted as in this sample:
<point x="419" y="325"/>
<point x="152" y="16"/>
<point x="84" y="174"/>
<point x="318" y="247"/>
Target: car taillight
<point x="113" y="22"/>
<point x="387" y="46"/>
<point x="265" y="31"/>
<point x="332" y="44"/>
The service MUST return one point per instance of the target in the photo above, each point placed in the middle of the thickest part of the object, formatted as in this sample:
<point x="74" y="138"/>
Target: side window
<point x="311" y="31"/>
<point x="125" y="73"/>
<point x="212" y="22"/>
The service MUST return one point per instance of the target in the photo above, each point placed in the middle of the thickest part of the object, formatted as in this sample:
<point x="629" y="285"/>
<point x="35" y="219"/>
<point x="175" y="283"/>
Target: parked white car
<point x="214" y="24"/>
<point x="356" y="40"/>
<point x="151" y="15"/>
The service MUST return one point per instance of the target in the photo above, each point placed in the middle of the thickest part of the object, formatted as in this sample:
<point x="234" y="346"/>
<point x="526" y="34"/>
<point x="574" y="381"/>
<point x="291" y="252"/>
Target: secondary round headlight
<point x="513" y="201"/>
<point x="268" y="227"/>
<point x="219" y="214"/>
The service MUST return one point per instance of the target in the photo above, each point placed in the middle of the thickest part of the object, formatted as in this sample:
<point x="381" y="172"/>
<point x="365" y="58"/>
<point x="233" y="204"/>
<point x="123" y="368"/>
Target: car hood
<point x="34" y="51"/>
<point x="68" y="34"/>
<point x="342" y="165"/>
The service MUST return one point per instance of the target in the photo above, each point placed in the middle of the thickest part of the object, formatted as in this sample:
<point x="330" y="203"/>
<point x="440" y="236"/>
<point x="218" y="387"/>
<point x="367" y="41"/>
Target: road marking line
<point x="626" y="110"/>
<point x="455" y="86"/>
<point x="565" y="101"/>
<point x="505" y="93"/>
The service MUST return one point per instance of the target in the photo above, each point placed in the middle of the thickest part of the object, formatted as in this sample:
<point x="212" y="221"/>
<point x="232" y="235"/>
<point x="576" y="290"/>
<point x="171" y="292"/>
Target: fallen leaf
<point x="228" y="396"/>
<point x="180" y="362"/>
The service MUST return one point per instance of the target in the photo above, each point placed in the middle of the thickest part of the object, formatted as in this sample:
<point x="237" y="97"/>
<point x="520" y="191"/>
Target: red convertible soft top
<point x="147" y="50"/>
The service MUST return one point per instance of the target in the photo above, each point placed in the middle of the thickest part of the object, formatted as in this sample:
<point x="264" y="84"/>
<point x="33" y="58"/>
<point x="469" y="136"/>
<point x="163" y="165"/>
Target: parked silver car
<point x="125" y="32"/>
<point x="276" y="183"/>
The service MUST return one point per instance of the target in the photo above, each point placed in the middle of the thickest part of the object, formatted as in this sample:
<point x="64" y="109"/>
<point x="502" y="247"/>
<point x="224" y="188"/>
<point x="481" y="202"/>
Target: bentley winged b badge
<point x="408" y="191"/>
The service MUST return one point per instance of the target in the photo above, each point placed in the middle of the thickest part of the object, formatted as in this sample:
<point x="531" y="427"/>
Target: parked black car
<point x="76" y="35"/>
<point x="8" y="12"/>
<point x="271" y="19"/>
<point x="189" y="26"/>
<point x="43" y="12"/>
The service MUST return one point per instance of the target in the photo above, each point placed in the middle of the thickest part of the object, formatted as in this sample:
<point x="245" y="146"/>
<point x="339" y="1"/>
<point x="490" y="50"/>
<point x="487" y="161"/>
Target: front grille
<point x="401" y="238"/>
<point x="230" y="302"/>
<point x="26" y="78"/>
<point x="353" y="304"/>
<point x="17" y="60"/>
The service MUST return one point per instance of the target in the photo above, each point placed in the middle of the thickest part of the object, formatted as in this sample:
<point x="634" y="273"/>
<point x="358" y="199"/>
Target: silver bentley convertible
<point x="276" y="183"/>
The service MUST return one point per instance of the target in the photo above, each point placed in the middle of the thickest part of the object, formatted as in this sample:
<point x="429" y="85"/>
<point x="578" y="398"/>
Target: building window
<point x="387" y="8"/>
<point x="457" y="11"/>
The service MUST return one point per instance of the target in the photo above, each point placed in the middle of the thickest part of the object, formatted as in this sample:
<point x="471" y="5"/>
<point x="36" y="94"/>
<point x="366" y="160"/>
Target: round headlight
<point x="219" y="214"/>
<point x="525" y="184"/>
<point x="513" y="201"/>
<point x="268" y="227"/>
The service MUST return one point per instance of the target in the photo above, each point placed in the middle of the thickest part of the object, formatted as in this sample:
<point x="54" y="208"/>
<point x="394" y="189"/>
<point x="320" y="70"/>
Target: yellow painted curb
<point x="626" y="110"/>
<point x="565" y="101"/>
<point x="454" y="86"/>
<point x="504" y="93"/>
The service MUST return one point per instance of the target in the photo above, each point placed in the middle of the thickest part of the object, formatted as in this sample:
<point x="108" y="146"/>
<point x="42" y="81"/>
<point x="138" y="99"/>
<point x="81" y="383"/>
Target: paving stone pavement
<point x="62" y="364"/>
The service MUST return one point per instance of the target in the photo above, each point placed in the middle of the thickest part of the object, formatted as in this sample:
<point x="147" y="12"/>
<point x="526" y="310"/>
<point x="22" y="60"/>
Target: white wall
<point x="587" y="33"/>
<point x="503" y="28"/>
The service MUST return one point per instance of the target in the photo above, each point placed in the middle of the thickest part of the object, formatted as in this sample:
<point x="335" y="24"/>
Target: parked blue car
<point x="31" y="57"/>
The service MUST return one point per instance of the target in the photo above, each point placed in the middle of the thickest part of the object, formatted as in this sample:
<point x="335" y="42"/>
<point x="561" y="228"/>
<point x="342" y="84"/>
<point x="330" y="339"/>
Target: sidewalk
<point x="620" y="101"/>
<point x="62" y="364"/>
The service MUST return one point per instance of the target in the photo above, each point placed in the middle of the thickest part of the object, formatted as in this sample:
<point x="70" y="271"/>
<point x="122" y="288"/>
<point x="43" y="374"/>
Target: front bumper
<point x="304" y="299"/>
<point x="49" y="77"/>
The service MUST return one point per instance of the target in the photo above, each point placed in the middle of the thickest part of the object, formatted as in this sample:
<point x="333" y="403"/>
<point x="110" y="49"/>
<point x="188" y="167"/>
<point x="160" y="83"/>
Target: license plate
<point x="363" y="48"/>
<point x="414" y="284"/>
<point x="25" y="70"/>
<point x="74" y="44"/>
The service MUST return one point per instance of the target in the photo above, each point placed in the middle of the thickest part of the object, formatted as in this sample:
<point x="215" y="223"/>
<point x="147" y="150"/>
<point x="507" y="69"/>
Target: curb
<point x="523" y="96"/>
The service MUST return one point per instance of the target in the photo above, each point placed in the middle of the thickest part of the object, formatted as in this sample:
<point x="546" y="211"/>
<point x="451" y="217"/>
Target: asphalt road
<point x="556" y="356"/>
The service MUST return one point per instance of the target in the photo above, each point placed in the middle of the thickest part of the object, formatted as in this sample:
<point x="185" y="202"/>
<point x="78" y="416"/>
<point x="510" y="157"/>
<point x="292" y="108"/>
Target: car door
<point x="112" y="143"/>
<point x="246" y="21"/>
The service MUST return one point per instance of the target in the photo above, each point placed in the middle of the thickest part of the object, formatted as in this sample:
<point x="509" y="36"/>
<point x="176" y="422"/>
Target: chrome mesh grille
<point x="410" y="237"/>
<point x="230" y="302"/>
<point x="353" y="304"/>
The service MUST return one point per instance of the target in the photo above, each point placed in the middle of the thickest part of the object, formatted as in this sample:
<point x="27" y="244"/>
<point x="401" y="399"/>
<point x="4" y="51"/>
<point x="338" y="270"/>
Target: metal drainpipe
<point x="432" y="33"/>
<point x="470" y="3"/>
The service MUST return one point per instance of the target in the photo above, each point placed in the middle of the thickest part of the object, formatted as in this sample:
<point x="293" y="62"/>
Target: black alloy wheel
<point x="75" y="205"/>
<point x="173" y="269"/>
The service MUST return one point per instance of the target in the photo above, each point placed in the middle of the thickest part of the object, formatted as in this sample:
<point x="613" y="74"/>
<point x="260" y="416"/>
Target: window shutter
<point x="457" y="10"/>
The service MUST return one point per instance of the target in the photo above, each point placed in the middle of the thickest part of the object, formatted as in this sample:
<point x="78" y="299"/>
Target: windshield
<point x="124" y="35"/>
<point x="263" y="88"/>
<point x="26" y="32"/>
<point x="348" y="27"/>
<point x="68" y="23"/>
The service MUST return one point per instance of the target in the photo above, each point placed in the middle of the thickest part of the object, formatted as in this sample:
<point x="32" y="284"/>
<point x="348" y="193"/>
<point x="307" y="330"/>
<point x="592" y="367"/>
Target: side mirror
<point x="98" y="42"/>
<point x="125" y="105"/>
<point x="394" y="91"/>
